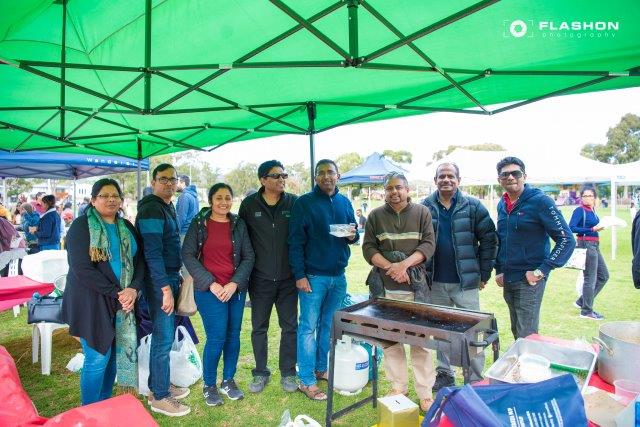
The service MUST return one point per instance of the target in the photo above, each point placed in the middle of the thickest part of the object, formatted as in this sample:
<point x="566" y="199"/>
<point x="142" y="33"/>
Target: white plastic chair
<point x="42" y="334"/>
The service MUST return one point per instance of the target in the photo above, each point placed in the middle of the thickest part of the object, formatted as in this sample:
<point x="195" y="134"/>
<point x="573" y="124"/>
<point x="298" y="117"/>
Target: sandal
<point x="322" y="376"/>
<point x="316" y="394"/>
<point x="425" y="404"/>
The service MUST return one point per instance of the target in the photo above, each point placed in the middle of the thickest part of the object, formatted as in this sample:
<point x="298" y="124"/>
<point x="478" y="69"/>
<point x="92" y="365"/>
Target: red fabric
<point x="217" y="253"/>
<point x="16" y="290"/>
<point x="120" y="411"/>
<point x="16" y="408"/>
<point x="507" y="203"/>
<point x="589" y="238"/>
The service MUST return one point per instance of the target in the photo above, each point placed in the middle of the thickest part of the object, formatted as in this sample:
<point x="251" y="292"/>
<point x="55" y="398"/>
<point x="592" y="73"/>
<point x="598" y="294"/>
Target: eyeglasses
<point x="517" y="174"/>
<point x="164" y="180"/>
<point x="277" y="175"/>
<point x="587" y="195"/>
<point x="327" y="173"/>
<point x="394" y="187"/>
<point x="109" y="196"/>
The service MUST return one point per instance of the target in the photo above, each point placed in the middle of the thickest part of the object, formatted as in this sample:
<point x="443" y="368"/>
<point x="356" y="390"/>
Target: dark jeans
<point x="264" y="294"/>
<point x="222" y="322"/>
<point x="524" y="303"/>
<point x="595" y="276"/>
<point x="163" y="331"/>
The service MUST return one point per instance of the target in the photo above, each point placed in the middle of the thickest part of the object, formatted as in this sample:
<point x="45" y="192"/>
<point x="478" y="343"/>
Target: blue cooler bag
<point x="553" y="402"/>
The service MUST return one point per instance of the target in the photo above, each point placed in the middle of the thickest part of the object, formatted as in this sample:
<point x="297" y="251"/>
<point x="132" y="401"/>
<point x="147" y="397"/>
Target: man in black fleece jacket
<point x="267" y="214"/>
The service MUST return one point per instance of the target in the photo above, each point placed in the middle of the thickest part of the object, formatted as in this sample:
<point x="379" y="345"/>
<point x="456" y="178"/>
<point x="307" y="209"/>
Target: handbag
<point x="44" y="309"/>
<point x="578" y="259"/>
<point x="556" y="401"/>
<point x="186" y="302"/>
<point x="18" y="242"/>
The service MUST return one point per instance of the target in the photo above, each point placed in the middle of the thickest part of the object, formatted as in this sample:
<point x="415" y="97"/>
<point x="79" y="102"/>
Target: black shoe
<point x="231" y="390"/>
<point x="443" y="379"/>
<point x="211" y="396"/>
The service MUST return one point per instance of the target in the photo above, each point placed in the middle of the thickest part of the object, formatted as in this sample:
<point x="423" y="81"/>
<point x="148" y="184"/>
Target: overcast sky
<point x="557" y="126"/>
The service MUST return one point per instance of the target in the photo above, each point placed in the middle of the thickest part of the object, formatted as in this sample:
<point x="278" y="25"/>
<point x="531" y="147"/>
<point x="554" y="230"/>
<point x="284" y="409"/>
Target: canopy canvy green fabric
<point x="144" y="77"/>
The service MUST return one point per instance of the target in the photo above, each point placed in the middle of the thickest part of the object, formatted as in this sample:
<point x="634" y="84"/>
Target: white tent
<point x="479" y="168"/>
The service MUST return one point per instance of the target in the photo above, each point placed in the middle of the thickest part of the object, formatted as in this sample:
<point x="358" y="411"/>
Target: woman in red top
<point x="217" y="253"/>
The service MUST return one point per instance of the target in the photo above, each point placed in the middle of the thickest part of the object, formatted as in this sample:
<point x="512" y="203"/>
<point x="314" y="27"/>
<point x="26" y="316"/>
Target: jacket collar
<point x="318" y="191"/>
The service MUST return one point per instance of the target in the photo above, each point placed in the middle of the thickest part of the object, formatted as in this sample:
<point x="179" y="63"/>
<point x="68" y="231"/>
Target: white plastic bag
<point x="76" y="363"/>
<point x="300" y="421"/>
<point x="144" y="350"/>
<point x="185" y="362"/>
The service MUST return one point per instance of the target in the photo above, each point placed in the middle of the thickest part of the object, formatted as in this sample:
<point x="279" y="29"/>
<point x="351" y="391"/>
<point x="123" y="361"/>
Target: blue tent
<point x="40" y="164"/>
<point x="372" y="171"/>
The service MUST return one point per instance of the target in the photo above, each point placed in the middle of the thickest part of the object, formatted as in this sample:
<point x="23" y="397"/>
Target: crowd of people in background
<point x="280" y="250"/>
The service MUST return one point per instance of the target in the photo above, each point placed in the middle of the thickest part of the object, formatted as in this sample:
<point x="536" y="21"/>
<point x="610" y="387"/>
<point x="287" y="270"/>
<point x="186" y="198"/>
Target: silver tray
<point x="503" y="367"/>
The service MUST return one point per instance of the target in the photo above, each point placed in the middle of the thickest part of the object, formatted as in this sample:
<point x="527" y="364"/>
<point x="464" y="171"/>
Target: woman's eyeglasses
<point x="277" y="175"/>
<point x="517" y="174"/>
<point x="109" y="196"/>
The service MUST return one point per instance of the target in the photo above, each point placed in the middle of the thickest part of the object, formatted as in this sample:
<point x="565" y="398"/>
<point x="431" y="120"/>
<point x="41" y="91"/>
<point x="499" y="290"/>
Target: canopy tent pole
<point x="75" y="197"/>
<point x="492" y="208"/>
<point x="613" y="200"/>
<point x="4" y="191"/>
<point x="63" y="69"/>
<point x="139" y="172"/>
<point x="311" y="114"/>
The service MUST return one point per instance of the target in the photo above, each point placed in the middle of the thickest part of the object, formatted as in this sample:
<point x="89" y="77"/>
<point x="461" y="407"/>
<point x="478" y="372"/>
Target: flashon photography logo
<point x="528" y="28"/>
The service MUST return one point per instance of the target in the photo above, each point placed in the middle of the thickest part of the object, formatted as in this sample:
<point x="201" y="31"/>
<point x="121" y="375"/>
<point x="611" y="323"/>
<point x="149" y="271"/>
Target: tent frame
<point x="352" y="58"/>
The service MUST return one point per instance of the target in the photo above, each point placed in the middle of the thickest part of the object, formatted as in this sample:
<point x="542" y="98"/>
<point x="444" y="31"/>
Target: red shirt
<point x="217" y="253"/>
<point x="507" y="203"/>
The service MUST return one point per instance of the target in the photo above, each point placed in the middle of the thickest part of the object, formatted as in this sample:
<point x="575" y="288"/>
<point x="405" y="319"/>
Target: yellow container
<point x="397" y="411"/>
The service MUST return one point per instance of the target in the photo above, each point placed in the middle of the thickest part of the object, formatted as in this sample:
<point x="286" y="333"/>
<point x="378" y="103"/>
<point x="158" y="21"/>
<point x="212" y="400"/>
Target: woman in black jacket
<point x="106" y="269"/>
<point x="218" y="254"/>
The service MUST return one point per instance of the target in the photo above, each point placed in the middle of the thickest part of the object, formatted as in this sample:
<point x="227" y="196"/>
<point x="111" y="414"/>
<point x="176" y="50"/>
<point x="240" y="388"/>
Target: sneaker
<point x="169" y="407"/>
<point x="174" y="391"/>
<point x="211" y="396"/>
<point x="443" y="379"/>
<point x="576" y="305"/>
<point x="231" y="390"/>
<point x="258" y="384"/>
<point x="598" y="314"/>
<point x="289" y="384"/>
<point x="592" y="316"/>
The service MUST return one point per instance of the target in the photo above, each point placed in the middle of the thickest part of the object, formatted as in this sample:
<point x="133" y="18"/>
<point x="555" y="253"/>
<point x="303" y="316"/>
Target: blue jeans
<point x="314" y="326"/>
<point x="222" y="322"/>
<point x="162" y="339"/>
<point x="524" y="303"/>
<point x="50" y="247"/>
<point x="98" y="374"/>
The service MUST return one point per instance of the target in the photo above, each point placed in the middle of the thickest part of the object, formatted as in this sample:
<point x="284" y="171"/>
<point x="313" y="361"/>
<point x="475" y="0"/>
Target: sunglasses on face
<point x="277" y="175"/>
<point x="517" y="174"/>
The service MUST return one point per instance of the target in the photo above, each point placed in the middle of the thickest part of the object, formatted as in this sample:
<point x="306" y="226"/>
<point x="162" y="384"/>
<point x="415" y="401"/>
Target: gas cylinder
<point x="351" y="368"/>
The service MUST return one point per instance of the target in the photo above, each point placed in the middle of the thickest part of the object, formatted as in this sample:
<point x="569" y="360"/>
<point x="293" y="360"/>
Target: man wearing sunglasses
<point x="527" y="218"/>
<point x="267" y="214"/>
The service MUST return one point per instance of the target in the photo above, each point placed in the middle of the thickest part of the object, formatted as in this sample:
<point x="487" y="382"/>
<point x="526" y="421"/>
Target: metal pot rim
<point x="612" y="330"/>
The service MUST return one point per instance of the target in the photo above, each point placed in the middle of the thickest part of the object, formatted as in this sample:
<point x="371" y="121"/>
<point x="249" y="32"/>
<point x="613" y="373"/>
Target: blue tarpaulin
<point x="40" y="164"/>
<point x="372" y="171"/>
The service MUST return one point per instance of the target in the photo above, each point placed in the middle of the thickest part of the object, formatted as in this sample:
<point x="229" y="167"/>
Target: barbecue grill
<point x="463" y="334"/>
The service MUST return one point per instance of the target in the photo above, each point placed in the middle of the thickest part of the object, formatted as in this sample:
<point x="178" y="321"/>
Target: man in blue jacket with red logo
<point x="526" y="220"/>
<point x="318" y="260"/>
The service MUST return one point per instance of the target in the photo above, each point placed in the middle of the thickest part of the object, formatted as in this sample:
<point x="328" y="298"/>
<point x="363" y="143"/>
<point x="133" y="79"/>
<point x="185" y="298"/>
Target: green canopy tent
<point x="139" y="78"/>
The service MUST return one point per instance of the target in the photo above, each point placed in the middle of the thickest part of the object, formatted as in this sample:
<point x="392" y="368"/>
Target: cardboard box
<point x="397" y="411"/>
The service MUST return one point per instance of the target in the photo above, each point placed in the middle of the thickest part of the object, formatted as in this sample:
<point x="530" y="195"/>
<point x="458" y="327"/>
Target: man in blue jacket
<point x="158" y="226"/>
<point x="318" y="260"/>
<point x="187" y="205"/>
<point x="526" y="220"/>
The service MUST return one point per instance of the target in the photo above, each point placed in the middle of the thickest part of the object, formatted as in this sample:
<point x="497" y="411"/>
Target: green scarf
<point x="126" y="338"/>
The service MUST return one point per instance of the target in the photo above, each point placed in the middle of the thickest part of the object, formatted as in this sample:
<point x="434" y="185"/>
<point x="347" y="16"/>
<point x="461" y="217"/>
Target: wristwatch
<point x="538" y="273"/>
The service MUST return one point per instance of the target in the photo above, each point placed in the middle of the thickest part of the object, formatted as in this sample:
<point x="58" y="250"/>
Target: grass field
<point x="60" y="391"/>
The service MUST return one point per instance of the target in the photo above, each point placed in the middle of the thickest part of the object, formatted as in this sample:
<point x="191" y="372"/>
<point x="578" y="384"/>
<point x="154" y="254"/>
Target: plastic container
<point x="534" y="368"/>
<point x="45" y="266"/>
<point x="626" y="390"/>
<point x="340" y="230"/>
